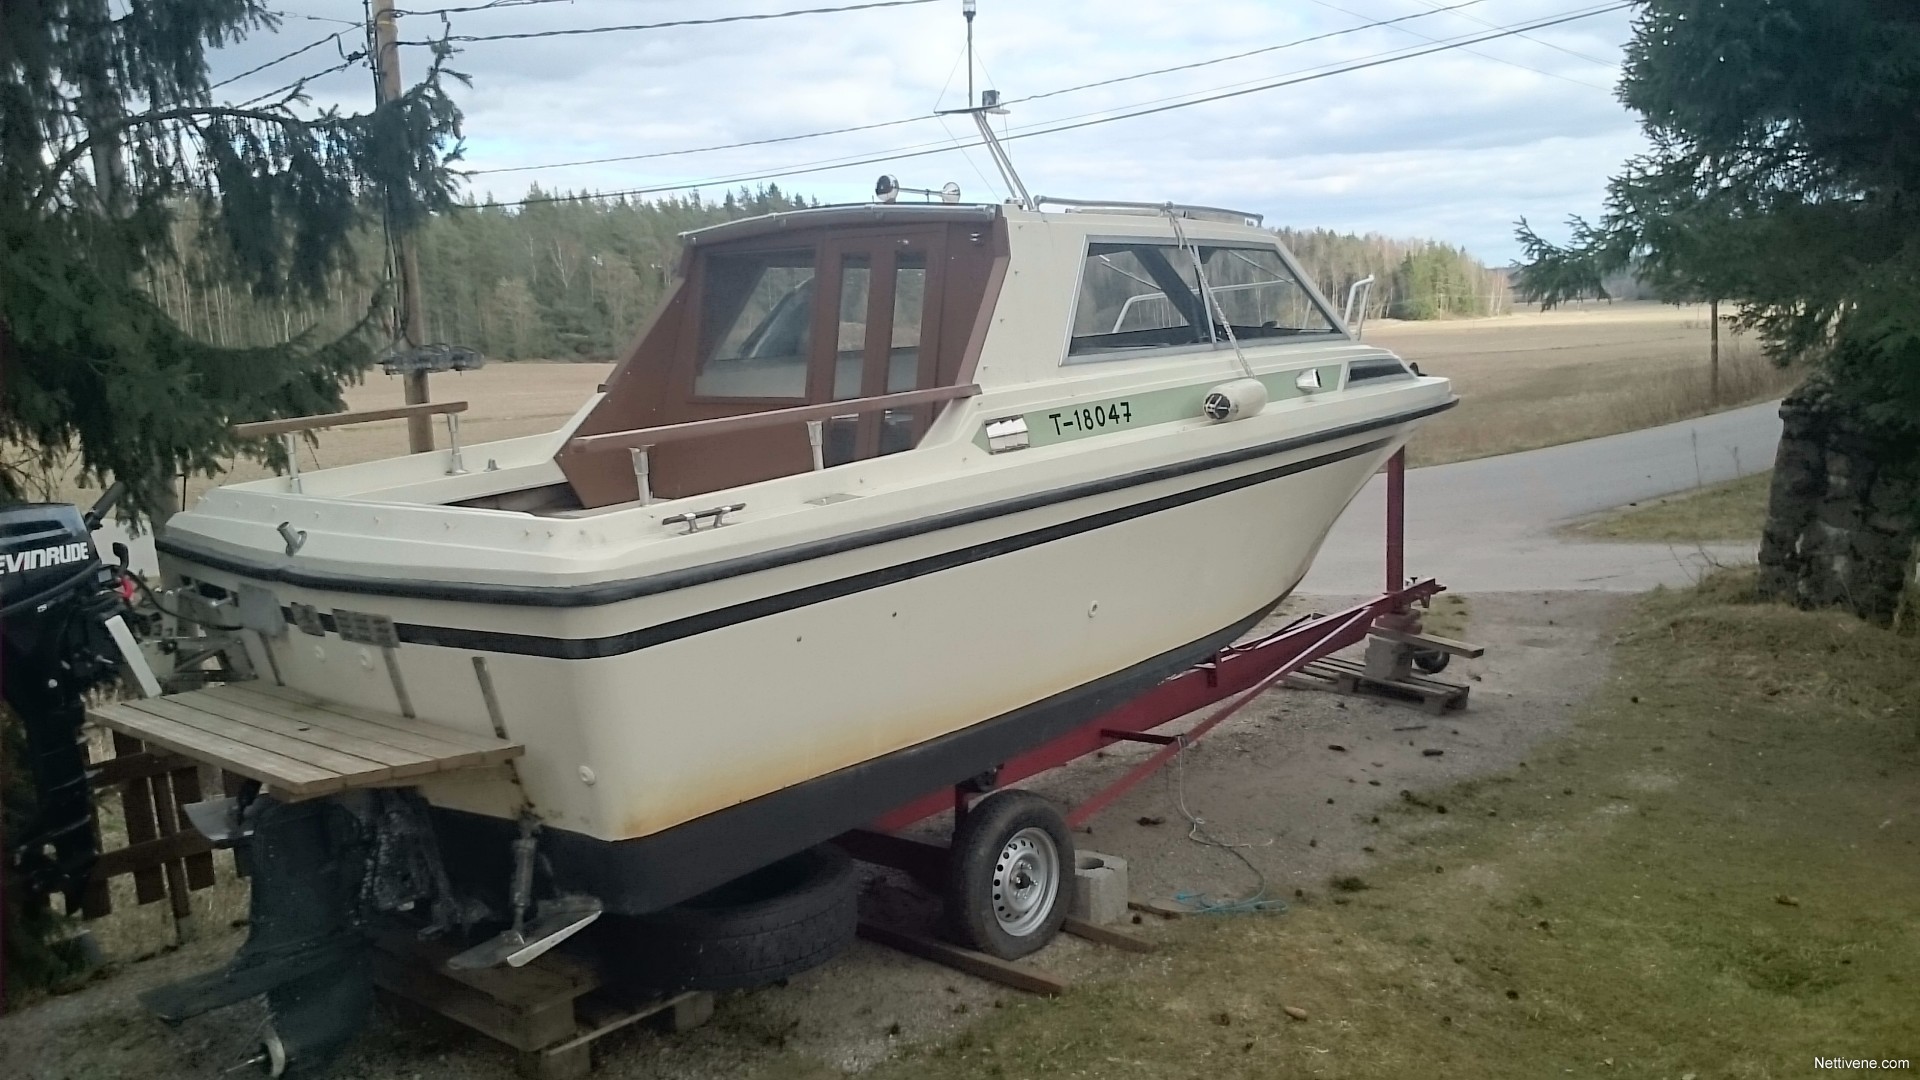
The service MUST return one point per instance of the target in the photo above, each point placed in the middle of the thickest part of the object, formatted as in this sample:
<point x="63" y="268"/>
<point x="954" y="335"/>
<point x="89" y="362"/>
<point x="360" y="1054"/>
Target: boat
<point x="884" y="495"/>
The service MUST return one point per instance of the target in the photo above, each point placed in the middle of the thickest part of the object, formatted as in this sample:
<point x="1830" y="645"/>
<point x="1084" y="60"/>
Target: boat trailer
<point x="1231" y="679"/>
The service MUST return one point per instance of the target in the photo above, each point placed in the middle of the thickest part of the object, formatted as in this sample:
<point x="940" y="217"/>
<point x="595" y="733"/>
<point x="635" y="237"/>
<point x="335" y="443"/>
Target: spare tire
<point x="778" y="921"/>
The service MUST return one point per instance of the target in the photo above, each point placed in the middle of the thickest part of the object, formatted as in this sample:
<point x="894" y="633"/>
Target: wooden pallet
<point x="1347" y="677"/>
<point x="299" y="746"/>
<point x="551" y="1012"/>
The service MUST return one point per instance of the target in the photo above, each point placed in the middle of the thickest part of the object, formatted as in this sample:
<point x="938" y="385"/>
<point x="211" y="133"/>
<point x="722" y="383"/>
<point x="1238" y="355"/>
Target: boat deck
<point x="299" y="746"/>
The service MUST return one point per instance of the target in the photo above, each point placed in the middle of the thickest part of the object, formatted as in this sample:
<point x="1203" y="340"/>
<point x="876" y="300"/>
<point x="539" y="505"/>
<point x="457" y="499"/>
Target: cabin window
<point x="1138" y="297"/>
<point x="756" y="323"/>
<point x="856" y="286"/>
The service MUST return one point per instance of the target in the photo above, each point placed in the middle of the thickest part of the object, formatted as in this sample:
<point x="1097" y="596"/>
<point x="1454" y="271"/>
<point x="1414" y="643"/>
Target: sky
<point x="1454" y="146"/>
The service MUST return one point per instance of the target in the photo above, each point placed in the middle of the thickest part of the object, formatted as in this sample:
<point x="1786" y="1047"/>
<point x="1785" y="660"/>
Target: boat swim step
<point x="297" y="745"/>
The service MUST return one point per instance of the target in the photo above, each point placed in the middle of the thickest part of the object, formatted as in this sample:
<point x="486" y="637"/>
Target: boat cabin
<point x="865" y="319"/>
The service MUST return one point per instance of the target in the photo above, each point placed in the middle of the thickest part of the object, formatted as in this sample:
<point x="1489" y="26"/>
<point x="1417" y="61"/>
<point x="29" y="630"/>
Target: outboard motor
<point x="57" y="600"/>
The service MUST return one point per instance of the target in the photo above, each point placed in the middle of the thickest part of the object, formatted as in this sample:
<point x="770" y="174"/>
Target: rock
<point x="1786" y="901"/>
<point x="1295" y="1011"/>
<point x="1431" y="753"/>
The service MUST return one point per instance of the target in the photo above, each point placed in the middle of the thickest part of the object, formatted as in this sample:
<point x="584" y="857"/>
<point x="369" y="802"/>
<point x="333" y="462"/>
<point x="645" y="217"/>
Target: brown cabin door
<point x="880" y="336"/>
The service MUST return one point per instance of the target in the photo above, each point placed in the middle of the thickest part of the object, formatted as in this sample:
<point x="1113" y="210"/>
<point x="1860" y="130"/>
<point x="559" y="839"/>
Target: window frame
<point x="1337" y="330"/>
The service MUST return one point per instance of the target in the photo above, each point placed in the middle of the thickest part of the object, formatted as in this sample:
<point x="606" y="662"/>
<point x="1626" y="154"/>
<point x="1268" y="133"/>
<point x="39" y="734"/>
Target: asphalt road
<point x="1489" y="525"/>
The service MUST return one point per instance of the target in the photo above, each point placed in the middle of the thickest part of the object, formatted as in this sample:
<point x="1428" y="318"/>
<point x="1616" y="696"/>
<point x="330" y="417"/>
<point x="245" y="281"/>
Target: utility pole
<point x="413" y="312"/>
<point x="1713" y="377"/>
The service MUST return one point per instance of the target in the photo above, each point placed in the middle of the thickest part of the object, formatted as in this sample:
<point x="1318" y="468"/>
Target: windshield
<point x="756" y="325"/>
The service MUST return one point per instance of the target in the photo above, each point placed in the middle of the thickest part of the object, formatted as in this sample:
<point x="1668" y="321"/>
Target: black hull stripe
<point x="454" y="637"/>
<point x="613" y="592"/>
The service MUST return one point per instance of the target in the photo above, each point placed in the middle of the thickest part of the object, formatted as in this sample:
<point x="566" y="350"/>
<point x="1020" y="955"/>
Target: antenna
<point x="967" y="8"/>
<point x="989" y="105"/>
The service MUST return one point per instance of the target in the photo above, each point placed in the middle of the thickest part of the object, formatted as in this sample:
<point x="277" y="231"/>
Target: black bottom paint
<point x="634" y="877"/>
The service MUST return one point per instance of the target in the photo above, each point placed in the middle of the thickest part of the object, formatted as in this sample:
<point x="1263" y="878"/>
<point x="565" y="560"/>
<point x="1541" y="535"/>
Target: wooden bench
<point x="297" y="745"/>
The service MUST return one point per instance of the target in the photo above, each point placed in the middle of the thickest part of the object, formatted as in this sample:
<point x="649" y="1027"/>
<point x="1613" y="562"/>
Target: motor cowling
<point x="55" y="599"/>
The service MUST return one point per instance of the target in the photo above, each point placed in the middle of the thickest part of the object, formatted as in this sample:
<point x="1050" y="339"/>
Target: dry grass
<point x="1530" y="380"/>
<point x="1712" y="877"/>
<point x="1724" y="512"/>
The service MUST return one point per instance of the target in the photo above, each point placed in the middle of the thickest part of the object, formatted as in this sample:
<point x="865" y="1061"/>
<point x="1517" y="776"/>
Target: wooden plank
<point x="296" y="778"/>
<point x="613" y="1020"/>
<point x="259" y="429"/>
<point x="186" y="789"/>
<point x="119" y="770"/>
<point x="136" y="808"/>
<point x="496" y="750"/>
<point x="521" y="1029"/>
<point x="550" y="978"/>
<point x="991" y="968"/>
<point x="1431" y="641"/>
<point x="150" y="853"/>
<point x="1155" y="907"/>
<point x="401" y="762"/>
<point x="1106" y="935"/>
<point x="411" y="739"/>
<point x="320" y="757"/>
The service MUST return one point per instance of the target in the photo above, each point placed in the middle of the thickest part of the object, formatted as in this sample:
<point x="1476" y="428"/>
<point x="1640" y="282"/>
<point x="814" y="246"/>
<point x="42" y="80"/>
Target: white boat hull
<point x="645" y="714"/>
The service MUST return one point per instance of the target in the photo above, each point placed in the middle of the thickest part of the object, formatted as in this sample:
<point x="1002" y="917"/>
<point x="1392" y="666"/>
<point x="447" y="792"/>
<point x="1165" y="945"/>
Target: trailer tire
<point x="1010" y="875"/>
<point x="780" y="920"/>
<point x="1432" y="661"/>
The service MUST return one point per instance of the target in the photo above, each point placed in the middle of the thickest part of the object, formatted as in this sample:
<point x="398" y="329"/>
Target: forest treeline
<point x="572" y="279"/>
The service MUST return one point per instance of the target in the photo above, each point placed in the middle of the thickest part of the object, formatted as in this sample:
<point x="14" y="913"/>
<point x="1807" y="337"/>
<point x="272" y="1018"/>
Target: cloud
<point x="1453" y="146"/>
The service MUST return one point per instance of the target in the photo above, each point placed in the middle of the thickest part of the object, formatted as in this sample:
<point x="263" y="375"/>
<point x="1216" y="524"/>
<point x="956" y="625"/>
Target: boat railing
<point x="1187" y="210"/>
<point x="640" y="441"/>
<point x="636" y="438"/>
<point x="287" y="427"/>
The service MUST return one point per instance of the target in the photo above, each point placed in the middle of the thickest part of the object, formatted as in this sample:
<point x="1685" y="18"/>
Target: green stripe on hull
<point x="1106" y="416"/>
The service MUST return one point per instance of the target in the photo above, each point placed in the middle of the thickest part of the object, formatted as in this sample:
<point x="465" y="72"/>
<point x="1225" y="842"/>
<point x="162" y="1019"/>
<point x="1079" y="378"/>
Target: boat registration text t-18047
<point x="1092" y="417"/>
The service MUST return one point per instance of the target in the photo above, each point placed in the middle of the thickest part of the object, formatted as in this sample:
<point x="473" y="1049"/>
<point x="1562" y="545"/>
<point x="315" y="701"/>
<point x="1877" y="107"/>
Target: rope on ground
<point x="1254" y="902"/>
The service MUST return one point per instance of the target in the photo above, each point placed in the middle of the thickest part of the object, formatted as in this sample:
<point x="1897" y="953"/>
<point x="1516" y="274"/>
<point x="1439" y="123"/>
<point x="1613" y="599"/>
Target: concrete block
<point x="1099" y="888"/>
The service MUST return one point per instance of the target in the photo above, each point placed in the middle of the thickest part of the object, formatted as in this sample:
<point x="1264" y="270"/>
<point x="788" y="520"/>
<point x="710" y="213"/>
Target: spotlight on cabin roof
<point x="887" y="189"/>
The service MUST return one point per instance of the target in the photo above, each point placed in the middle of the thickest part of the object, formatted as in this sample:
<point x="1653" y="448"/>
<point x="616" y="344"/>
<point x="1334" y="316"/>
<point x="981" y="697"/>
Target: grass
<point x="1714" y="876"/>
<point x="1534" y="380"/>
<point x="1733" y="511"/>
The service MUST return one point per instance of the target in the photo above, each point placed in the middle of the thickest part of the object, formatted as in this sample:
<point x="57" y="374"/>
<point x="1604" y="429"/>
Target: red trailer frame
<point x="1247" y="669"/>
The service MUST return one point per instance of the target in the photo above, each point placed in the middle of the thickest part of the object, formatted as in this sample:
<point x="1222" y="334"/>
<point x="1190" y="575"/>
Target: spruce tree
<point x="110" y="135"/>
<point x="1784" y="176"/>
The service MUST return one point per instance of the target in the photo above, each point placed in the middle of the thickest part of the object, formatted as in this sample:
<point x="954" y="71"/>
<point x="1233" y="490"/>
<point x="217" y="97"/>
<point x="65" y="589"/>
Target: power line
<point x="311" y="18"/>
<point x="1252" y="52"/>
<point x="490" y="5"/>
<point x="579" y="30"/>
<point x="1477" y="52"/>
<point x="309" y="47"/>
<point x="1056" y="128"/>
<point x="915" y="119"/>
<point x="352" y="58"/>
<point x="1537" y="41"/>
<point x="705" y="149"/>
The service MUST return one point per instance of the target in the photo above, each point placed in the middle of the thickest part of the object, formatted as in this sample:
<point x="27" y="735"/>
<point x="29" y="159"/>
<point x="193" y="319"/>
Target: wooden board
<point x="296" y="744"/>
<point x="1346" y="677"/>
<point x="992" y="968"/>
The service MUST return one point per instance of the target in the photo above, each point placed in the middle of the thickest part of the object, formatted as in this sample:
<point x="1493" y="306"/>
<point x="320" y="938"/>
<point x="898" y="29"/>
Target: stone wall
<point x="1845" y="512"/>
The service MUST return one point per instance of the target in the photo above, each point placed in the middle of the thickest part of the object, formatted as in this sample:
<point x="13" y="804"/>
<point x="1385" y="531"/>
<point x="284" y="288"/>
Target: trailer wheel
<point x="1009" y="875"/>
<point x="1432" y="661"/>
<point x="778" y="921"/>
